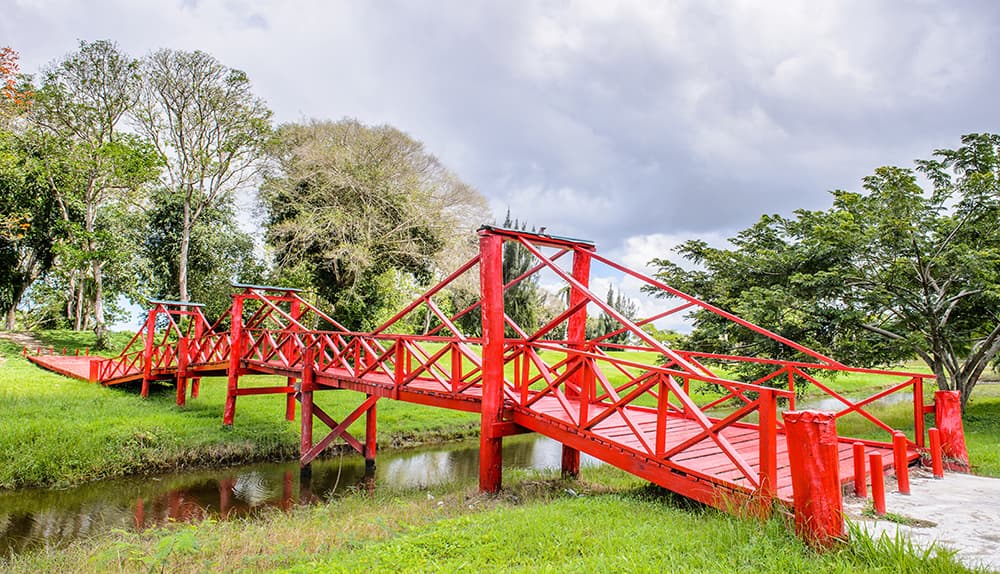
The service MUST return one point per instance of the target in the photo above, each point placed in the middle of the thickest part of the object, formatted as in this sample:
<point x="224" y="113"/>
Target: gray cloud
<point x="596" y="119"/>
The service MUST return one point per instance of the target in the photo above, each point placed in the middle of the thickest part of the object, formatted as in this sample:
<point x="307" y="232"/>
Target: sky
<point x="637" y="125"/>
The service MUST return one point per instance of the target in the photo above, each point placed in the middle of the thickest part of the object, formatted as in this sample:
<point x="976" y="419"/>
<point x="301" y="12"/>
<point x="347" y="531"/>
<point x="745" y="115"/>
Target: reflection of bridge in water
<point x="631" y="410"/>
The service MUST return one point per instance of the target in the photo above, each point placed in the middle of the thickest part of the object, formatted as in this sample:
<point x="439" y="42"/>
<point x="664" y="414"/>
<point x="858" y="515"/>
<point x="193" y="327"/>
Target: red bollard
<point x="815" y="467"/>
<point x="878" y="482"/>
<point x="24" y="351"/>
<point x="900" y="463"/>
<point x="948" y="420"/>
<point x="64" y="351"/>
<point x="860" y="490"/>
<point x="937" y="465"/>
<point x="76" y="352"/>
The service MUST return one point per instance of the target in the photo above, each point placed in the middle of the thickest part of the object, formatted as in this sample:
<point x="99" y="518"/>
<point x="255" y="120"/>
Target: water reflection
<point x="36" y="518"/>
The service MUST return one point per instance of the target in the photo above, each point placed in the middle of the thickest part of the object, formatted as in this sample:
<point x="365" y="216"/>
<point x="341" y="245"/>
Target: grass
<point x="56" y="431"/>
<point x="609" y="522"/>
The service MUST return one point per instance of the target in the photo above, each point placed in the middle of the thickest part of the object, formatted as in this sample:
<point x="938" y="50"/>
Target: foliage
<point x="881" y="276"/>
<point x="626" y="307"/>
<point x="30" y="225"/>
<point x="357" y="209"/>
<point x="219" y="253"/>
<point x="80" y="105"/>
<point x="522" y="302"/>
<point x="204" y="118"/>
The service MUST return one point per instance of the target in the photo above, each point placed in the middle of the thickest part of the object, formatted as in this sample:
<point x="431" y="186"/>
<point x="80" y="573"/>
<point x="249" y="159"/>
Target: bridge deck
<point x="609" y="440"/>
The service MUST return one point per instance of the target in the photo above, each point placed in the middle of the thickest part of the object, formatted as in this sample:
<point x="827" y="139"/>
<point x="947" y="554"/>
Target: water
<point x="49" y="518"/>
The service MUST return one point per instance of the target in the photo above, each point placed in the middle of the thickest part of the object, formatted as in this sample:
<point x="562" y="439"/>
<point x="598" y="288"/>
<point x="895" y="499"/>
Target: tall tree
<point x="220" y="253"/>
<point x="204" y="118"/>
<point x="522" y="302"/>
<point x="352" y="210"/>
<point x="624" y="305"/>
<point x="81" y="102"/>
<point x="895" y="272"/>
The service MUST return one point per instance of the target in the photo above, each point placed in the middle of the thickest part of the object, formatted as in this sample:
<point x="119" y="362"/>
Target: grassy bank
<point x="56" y="431"/>
<point x="607" y="522"/>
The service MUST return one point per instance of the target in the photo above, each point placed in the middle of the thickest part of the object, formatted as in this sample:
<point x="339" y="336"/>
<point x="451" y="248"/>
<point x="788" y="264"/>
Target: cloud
<point x="605" y="120"/>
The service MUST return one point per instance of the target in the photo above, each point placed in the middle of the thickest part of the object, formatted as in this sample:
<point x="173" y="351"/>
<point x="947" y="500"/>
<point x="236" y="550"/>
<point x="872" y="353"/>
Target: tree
<point x="204" y="118"/>
<point x="354" y="210"/>
<point x="220" y="253"/>
<point x="608" y="324"/>
<point x="30" y="227"/>
<point x="522" y="302"/>
<point x="80" y="104"/>
<point x="15" y="97"/>
<point x="895" y="272"/>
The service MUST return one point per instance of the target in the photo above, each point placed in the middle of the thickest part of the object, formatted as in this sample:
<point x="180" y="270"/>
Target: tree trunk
<point x="80" y="307"/>
<point x="11" y="316"/>
<point x="100" y="328"/>
<point x="182" y="262"/>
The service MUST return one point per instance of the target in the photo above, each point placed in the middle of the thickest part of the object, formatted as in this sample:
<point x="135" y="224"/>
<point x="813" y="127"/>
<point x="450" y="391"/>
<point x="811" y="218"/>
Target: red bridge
<point x="633" y="410"/>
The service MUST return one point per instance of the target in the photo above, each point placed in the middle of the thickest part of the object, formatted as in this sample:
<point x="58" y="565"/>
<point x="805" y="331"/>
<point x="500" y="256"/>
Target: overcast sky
<point x="634" y="124"/>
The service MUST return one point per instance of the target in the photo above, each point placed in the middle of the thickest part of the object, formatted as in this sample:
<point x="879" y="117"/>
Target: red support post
<point x="306" y="394"/>
<point x="199" y="334"/>
<point x="918" y="411"/>
<point x="491" y="286"/>
<point x="576" y="335"/>
<point x="370" y="437"/>
<point x="182" y="365"/>
<point x="899" y="462"/>
<point x="147" y="352"/>
<point x="948" y="420"/>
<point x="768" y="449"/>
<point x="937" y="465"/>
<point x="291" y="352"/>
<point x="878" y="482"/>
<point x="95" y="370"/>
<point x="860" y="489"/>
<point x="235" y="352"/>
<point x="815" y="468"/>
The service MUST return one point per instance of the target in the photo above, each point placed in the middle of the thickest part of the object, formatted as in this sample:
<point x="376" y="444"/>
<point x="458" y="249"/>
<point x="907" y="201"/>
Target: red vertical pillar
<point x="147" y="352"/>
<point x="878" y="482"/>
<point x="235" y="350"/>
<point x="491" y="287"/>
<point x="576" y="334"/>
<point x="370" y="437"/>
<point x="936" y="463"/>
<point x="291" y="353"/>
<point x="948" y="421"/>
<point x="306" y="419"/>
<point x="860" y="489"/>
<point x="813" y="458"/>
<point x="768" y="449"/>
<point x="182" y="365"/>
<point x="900" y="462"/>
<point x="95" y="370"/>
<point x="199" y="334"/>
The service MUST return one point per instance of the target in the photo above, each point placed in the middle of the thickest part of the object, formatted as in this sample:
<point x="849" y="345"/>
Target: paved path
<point x="964" y="511"/>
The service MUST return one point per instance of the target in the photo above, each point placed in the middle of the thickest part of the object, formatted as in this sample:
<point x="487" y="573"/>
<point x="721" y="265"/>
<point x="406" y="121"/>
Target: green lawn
<point x="607" y="522"/>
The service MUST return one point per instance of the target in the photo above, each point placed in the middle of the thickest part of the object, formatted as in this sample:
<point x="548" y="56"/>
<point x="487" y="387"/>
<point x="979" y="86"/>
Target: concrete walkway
<point x="961" y="512"/>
